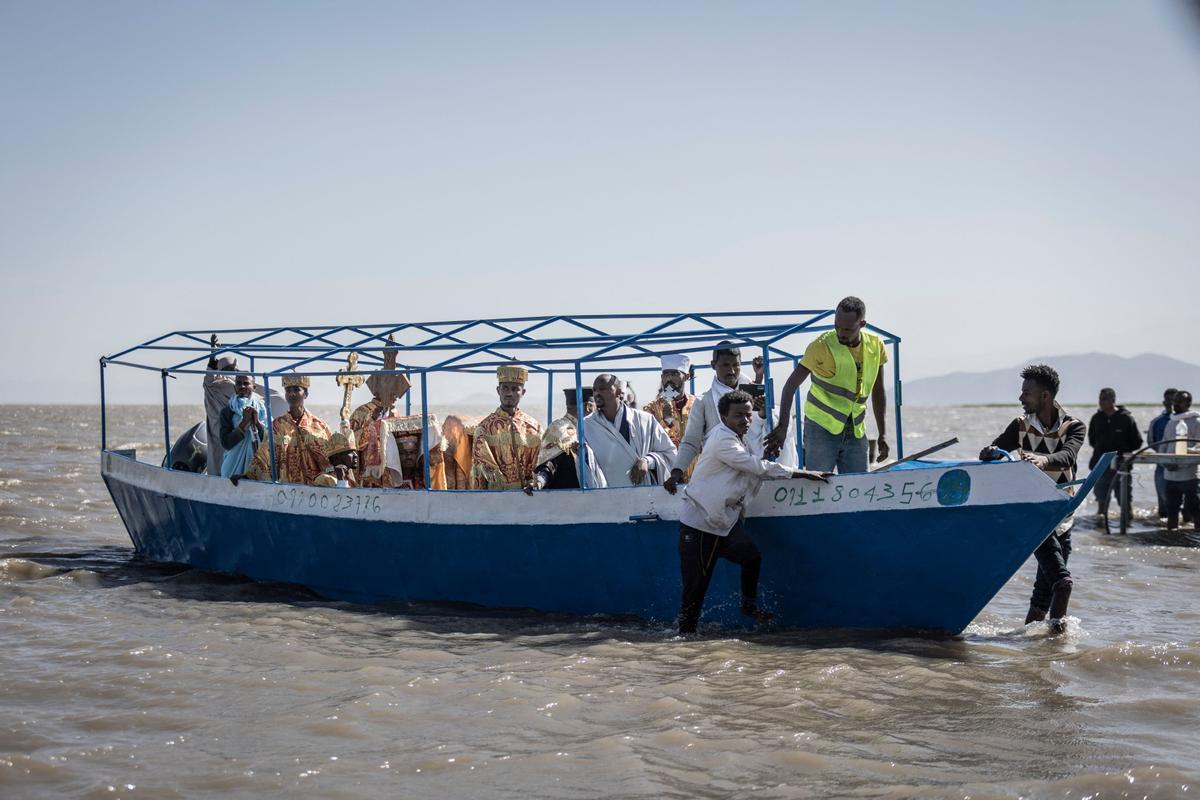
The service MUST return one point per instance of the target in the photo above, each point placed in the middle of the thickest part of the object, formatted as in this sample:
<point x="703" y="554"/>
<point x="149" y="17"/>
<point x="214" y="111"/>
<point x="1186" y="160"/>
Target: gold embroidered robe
<point x="300" y="449"/>
<point x="678" y="415"/>
<point x="505" y="450"/>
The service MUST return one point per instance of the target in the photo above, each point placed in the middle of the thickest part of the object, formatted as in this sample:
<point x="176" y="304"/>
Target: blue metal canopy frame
<point x="549" y="345"/>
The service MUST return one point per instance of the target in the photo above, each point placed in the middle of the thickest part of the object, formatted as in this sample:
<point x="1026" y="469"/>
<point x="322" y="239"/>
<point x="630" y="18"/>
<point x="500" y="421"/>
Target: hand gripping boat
<point x="923" y="546"/>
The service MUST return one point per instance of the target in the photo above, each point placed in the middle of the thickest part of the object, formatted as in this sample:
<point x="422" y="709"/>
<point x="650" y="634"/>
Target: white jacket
<point x="726" y="475"/>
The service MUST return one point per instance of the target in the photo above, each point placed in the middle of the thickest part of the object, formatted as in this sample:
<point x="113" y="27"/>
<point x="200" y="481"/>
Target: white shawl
<point x="754" y="441"/>
<point x="616" y="457"/>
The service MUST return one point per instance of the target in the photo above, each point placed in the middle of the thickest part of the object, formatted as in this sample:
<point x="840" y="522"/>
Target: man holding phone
<point x="704" y="416"/>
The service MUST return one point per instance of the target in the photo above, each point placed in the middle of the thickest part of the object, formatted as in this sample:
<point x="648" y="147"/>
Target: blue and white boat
<point x="925" y="545"/>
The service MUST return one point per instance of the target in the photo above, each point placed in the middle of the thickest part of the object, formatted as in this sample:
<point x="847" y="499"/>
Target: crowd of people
<point x="717" y="446"/>
<point x="658" y="444"/>
<point x="1176" y="429"/>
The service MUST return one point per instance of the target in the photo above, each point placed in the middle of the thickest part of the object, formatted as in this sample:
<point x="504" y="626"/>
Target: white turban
<point x="678" y="362"/>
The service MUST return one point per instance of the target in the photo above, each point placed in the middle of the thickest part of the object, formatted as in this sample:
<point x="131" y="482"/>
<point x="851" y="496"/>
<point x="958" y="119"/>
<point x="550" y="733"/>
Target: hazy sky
<point x="997" y="180"/>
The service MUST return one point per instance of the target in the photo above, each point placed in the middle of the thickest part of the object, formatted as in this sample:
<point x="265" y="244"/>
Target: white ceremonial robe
<point x="616" y="457"/>
<point x="754" y="441"/>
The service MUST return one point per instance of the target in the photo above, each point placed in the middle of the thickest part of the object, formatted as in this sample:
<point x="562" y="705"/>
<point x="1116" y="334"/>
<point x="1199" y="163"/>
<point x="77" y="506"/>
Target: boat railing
<point x="1149" y="454"/>
<point x="550" y="346"/>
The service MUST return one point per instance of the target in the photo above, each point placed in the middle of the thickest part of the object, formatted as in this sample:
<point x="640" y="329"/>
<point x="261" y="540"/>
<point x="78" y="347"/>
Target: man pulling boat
<point x="1050" y="440"/>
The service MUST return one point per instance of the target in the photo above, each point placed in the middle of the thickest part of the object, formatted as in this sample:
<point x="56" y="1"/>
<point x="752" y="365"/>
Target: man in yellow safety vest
<point x="846" y="365"/>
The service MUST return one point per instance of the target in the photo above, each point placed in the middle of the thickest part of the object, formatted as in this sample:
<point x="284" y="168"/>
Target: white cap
<point x="678" y="362"/>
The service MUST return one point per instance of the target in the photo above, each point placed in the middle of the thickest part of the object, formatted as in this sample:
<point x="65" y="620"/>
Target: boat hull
<point x="926" y="549"/>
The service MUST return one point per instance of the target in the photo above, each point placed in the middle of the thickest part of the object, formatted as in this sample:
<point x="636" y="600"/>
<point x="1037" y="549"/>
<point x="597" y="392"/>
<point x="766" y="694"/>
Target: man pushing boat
<point x="711" y="520"/>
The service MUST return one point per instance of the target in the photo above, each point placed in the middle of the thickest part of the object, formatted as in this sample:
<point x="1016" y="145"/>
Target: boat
<point x="919" y="545"/>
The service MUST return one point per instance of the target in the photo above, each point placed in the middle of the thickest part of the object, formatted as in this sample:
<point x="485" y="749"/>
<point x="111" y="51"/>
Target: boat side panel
<point x="926" y="568"/>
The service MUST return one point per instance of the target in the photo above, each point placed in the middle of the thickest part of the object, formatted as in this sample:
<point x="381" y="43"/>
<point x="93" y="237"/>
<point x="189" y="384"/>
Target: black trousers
<point x="1051" y="556"/>
<point x="1107" y="488"/>
<point x="1182" y="493"/>
<point x="698" y="554"/>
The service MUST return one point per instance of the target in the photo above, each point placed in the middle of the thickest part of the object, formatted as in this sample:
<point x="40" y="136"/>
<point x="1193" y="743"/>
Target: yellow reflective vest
<point x="831" y="403"/>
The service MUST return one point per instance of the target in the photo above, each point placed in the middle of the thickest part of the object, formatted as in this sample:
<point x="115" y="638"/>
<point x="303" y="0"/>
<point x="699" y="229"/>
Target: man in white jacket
<point x="711" y="520"/>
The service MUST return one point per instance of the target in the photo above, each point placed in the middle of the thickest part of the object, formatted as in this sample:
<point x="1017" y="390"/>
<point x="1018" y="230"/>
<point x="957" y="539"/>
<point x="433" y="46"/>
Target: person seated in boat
<point x="507" y="441"/>
<point x="673" y="404"/>
<point x="219" y="387"/>
<point x="1047" y="437"/>
<point x="558" y="466"/>
<point x="405" y="456"/>
<point x="343" y="463"/>
<point x="242" y="426"/>
<point x="711" y="519"/>
<point x="846" y="365"/>
<point x="631" y="448"/>
<point x="703" y="417"/>
<point x="301" y="440"/>
<point x="457" y="437"/>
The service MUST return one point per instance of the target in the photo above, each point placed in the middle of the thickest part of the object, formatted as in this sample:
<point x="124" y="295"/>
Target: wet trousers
<point x="1183" y="493"/>
<point x="1051" y="556"/>
<point x="698" y="554"/>
<point x="1107" y="487"/>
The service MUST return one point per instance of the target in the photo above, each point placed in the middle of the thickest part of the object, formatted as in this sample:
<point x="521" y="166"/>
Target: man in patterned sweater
<point x="1050" y="440"/>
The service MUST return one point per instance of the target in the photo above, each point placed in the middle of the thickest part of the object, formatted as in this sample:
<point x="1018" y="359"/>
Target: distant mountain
<point x="1140" y="379"/>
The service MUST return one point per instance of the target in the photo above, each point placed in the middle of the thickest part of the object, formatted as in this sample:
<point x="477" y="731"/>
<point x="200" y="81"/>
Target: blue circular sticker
<point x="954" y="487"/>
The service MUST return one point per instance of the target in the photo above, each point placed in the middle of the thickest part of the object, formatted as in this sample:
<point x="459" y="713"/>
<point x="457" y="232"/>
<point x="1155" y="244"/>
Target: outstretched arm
<point x="774" y="439"/>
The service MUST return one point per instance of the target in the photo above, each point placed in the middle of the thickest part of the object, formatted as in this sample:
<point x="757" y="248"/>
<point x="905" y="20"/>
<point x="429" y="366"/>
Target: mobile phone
<point x="753" y="389"/>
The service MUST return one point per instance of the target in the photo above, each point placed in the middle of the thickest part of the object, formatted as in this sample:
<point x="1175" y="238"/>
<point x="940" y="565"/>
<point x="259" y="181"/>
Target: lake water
<point x="124" y="678"/>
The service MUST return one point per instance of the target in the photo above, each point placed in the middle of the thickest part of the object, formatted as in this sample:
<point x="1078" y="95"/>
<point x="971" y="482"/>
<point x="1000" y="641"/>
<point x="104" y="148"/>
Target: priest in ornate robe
<point x="507" y="441"/>
<point x="367" y="423"/>
<point x="673" y="404"/>
<point x="301" y="440"/>
<point x="404" y="455"/>
<point x="631" y="448"/>
<point x="343" y="463"/>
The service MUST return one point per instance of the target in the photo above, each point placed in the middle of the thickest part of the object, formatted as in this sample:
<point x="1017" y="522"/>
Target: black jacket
<point x="559" y="472"/>
<point x="1118" y="433"/>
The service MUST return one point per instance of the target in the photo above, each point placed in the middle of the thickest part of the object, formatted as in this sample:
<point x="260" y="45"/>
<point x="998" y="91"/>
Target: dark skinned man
<point x="846" y="366"/>
<point x="1155" y="434"/>
<point x="1111" y="430"/>
<point x="630" y="447"/>
<point x="673" y="405"/>
<point x="1050" y="440"/>
<point x="301" y="440"/>
<point x="507" y="441"/>
<point x="242" y="427"/>
<point x="1182" y="481"/>
<point x="711" y="521"/>
<point x="704" y="416"/>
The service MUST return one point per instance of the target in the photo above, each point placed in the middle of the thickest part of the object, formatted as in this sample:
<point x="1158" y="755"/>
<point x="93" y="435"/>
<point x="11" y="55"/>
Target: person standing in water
<point x="1050" y="440"/>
